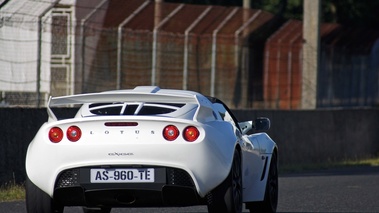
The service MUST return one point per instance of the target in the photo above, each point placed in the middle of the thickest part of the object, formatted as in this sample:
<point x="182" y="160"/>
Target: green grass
<point x="368" y="162"/>
<point x="328" y="165"/>
<point x="13" y="192"/>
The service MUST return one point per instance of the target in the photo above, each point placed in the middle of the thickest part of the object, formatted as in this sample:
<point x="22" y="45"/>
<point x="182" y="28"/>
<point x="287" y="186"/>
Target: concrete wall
<point x="302" y="136"/>
<point x="323" y="135"/>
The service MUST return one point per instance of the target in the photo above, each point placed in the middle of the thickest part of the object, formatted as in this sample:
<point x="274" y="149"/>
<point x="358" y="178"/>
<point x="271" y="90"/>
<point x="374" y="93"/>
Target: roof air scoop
<point x="147" y="89"/>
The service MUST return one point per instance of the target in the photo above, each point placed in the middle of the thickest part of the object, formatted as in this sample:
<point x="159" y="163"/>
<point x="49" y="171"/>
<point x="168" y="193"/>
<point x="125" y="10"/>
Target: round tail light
<point x="170" y="132"/>
<point x="55" y="134"/>
<point x="74" y="133"/>
<point x="191" y="133"/>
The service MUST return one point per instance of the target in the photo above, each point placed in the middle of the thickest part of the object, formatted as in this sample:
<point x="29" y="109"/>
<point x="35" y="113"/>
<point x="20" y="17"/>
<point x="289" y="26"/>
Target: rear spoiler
<point x="119" y="96"/>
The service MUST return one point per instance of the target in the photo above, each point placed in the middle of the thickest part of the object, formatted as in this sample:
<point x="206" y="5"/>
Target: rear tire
<point x="227" y="197"/>
<point x="270" y="202"/>
<point x="38" y="201"/>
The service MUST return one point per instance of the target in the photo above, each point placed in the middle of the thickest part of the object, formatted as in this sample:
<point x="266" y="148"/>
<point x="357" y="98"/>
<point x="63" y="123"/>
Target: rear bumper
<point x="200" y="160"/>
<point x="174" y="187"/>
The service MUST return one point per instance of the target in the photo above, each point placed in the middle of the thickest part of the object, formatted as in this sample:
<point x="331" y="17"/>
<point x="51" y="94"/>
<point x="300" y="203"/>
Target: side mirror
<point x="246" y="126"/>
<point x="262" y="124"/>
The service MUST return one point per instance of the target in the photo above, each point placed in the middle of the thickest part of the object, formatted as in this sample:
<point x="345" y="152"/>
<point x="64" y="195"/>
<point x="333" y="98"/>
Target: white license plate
<point x="140" y="175"/>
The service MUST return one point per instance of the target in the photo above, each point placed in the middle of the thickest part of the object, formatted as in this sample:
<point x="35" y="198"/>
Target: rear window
<point x="133" y="108"/>
<point x="106" y="110"/>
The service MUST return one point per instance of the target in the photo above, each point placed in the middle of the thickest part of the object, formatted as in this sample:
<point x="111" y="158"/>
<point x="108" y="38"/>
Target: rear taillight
<point x="74" y="133"/>
<point x="190" y="133"/>
<point x="170" y="132"/>
<point x="55" y="134"/>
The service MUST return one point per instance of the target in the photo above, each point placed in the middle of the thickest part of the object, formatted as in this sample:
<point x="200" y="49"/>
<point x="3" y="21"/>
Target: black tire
<point x="270" y="202"/>
<point x="37" y="201"/>
<point x="227" y="197"/>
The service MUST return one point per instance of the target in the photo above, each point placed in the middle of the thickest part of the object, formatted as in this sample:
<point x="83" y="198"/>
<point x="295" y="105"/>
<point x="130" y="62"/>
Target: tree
<point x="352" y="12"/>
<point x="345" y="12"/>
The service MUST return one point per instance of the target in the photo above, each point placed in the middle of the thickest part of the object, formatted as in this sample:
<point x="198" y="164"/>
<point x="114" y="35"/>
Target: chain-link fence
<point x="54" y="48"/>
<point x="117" y="44"/>
<point x="348" y="68"/>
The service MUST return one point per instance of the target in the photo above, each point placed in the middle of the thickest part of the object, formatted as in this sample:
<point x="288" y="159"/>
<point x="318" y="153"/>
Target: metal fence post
<point x="214" y="49"/>
<point x="186" y="34"/>
<point x="155" y="43"/>
<point x="39" y="51"/>
<point x="83" y="39"/>
<point x="119" y="41"/>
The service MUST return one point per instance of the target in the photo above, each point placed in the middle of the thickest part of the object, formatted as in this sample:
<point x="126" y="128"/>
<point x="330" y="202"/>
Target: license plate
<point x="140" y="175"/>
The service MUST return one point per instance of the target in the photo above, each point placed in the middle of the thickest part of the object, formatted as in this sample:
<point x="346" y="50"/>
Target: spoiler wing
<point x="110" y="97"/>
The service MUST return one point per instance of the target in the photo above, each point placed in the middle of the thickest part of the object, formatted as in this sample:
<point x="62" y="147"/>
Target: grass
<point x="329" y="165"/>
<point x="14" y="192"/>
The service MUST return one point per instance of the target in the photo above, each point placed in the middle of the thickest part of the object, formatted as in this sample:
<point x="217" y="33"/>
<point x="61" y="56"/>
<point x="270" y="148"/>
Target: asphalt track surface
<point x="338" y="190"/>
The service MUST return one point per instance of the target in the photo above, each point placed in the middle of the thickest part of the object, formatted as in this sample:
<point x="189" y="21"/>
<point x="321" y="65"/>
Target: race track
<point x="338" y="190"/>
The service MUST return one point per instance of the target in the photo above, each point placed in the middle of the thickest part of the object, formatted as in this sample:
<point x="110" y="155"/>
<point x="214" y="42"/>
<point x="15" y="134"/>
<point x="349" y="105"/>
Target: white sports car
<point x="150" y="147"/>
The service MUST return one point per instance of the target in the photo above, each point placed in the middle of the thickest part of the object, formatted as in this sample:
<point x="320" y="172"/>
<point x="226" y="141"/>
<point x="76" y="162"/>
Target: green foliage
<point x="352" y="12"/>
<point x="347" y="12"/>
<point x="295" y="168"/>
<point x="12" y="192"/>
